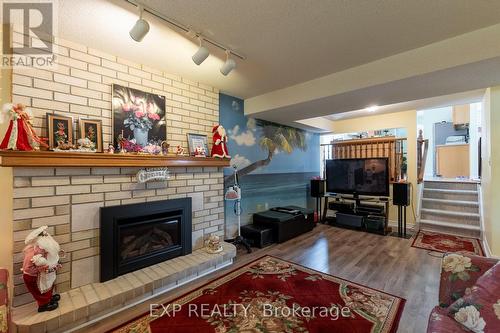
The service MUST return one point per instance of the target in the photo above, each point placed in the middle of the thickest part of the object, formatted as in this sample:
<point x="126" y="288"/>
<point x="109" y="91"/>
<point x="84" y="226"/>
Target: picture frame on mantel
<point x="197" y="140"/>
<point x="138" y="115"/>
<point x="91" y="129"/>
<point x="59" y="130"/>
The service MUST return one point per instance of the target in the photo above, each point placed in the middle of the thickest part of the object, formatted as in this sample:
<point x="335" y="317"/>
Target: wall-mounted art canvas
<point x="138" y="116"/>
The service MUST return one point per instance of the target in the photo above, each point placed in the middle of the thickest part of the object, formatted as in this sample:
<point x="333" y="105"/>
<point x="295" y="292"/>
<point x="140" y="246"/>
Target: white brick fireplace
<point x="68" y="201"/>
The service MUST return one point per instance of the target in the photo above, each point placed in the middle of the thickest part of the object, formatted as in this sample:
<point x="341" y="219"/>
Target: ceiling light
<point x="141" y="27"/>
<point x="201" y="54"/>
<point x="372" y="108"/>
<point x="229" y="65"/>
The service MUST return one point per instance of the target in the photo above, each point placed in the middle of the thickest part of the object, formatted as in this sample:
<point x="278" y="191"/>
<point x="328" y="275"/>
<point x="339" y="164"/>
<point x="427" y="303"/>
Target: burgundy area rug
<point x="273" y="295"/>
<point x="447" y="243"/>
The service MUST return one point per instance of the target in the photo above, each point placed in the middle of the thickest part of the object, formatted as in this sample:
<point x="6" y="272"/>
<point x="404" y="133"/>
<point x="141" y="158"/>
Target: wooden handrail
<point x="422" y="149"/>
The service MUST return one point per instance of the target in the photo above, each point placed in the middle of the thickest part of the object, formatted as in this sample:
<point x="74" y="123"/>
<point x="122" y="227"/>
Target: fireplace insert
<point x="140" y="235"/>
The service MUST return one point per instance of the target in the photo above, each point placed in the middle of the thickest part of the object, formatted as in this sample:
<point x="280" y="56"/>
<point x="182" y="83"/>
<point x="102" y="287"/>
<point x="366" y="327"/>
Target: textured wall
<point x="80" y="86"/>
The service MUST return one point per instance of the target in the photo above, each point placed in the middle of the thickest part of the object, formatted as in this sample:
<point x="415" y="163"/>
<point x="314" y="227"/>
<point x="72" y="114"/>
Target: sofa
<point x="469" y="295"/>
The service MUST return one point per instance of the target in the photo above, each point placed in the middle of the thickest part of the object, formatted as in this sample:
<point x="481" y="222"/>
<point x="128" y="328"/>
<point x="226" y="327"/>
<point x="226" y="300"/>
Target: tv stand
<point x="362" y="213"/>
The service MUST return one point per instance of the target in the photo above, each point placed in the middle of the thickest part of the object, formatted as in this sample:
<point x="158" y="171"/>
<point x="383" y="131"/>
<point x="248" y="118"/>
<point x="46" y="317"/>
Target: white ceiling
<point x="286" y="42"/>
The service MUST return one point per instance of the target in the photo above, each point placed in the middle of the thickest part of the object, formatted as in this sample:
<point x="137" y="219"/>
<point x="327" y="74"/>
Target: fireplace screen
<point x="140" y="235"/>
<point x="148" y="237"/>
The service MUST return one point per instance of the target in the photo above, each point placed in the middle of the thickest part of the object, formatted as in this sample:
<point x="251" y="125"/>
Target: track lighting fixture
<point x="229" y="65"/>
<point x="141" y="27"/>
<point x="201" y="54"/>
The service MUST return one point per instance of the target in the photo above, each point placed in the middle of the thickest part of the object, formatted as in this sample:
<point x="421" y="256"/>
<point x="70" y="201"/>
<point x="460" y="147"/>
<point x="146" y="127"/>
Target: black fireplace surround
<point x="140" y="235"/>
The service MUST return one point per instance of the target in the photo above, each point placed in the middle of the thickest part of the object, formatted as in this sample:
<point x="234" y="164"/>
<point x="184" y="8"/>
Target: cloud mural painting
<point x="271" y="159"/>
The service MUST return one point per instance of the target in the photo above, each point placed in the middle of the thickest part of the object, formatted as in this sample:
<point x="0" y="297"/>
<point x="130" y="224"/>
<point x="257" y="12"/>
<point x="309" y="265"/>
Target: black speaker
<point x="317" y="188"/>
<point x="401" y="194"/>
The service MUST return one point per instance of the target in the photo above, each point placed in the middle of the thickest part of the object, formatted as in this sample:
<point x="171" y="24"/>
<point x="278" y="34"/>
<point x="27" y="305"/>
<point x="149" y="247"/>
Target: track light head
<point x="229" y="65"/>
<point x="201" y="54"/>
<point x="140" y="28"/>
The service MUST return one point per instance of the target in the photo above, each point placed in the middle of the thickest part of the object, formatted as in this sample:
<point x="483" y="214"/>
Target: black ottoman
<point x="257" y="235"/>
<point x="286" y="226"/>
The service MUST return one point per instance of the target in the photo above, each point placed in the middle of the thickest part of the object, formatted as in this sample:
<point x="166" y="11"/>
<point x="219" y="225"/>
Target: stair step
<point x="451" y="205"/>
<point x="449" y="213"/>
<point x="453" y="191"/>
<point x="452" y="202"/>
<point x="446" y="194"/>
<point x="450" y="184"/>
<point x="450" y="216"/>
<point x="451" y="225"/>
<point x="450" y="228"/>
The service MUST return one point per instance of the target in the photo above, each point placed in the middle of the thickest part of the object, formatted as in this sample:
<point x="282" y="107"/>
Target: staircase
<point x="451" y="207"/>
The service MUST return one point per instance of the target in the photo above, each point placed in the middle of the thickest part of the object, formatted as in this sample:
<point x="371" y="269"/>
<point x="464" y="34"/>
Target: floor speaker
<point x="401" y="194"/>
<point x="317" y="188"/>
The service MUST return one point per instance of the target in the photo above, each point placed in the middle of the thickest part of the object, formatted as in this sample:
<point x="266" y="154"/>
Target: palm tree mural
<point x="275" y="138"/>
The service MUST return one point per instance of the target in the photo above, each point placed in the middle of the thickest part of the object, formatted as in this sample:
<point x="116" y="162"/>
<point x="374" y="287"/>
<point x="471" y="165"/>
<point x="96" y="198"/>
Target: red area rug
<point x="447" y="243"/>
<point x="273" y="296"/>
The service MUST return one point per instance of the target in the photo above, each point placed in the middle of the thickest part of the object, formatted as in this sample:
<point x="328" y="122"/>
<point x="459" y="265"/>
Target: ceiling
<point x="286" y="42"/>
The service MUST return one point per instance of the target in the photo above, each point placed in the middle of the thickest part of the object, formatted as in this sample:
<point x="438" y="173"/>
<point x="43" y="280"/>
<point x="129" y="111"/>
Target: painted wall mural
<point x="274" y="162"/>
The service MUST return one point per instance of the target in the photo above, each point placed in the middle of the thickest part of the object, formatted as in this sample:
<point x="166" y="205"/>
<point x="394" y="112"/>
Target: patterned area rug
<point x="447" y="243"/>
<point x="272" y="295"/>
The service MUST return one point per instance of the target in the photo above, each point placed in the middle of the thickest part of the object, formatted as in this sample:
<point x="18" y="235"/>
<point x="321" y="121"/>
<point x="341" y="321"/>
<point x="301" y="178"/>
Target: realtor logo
<point x="28" y="30"/>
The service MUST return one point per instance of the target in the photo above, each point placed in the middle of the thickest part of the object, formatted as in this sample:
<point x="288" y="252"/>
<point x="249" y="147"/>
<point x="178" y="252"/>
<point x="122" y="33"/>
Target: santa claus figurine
<point x="41" y="262"/>
<point x="20" y="134"/>
<point x="219" y="148"/>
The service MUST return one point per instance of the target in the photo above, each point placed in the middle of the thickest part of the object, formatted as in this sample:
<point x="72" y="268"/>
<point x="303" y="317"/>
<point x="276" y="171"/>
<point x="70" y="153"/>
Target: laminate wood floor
<point x="385" y="263"/>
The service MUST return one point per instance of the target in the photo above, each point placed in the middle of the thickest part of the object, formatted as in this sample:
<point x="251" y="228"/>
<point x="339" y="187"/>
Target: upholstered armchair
<point x="469" y="295"/>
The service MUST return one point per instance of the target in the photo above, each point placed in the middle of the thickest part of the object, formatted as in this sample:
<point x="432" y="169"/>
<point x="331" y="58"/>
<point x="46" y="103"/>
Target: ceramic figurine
<point x="219" y="148"/>
<point x="200" y="152"/>
<point x="179" y="151"/>
<point x="40" y="265"/>
<point x="111" y="149"/>
<point x="213" y="244"/>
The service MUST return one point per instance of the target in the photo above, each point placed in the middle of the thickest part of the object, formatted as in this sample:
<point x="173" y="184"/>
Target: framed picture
<point x="92" y="129"/>
<point x="138" y="116"/>
<point x="197" y="140"/>
<point x="59" y="130"/>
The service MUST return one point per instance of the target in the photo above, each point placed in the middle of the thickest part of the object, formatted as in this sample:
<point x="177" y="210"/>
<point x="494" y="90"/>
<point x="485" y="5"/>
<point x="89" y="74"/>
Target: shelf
<point x="9" y="158"/>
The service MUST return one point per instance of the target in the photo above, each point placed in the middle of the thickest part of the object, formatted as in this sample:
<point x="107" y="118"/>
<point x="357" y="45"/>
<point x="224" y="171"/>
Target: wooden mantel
<point x="9" y="158"/>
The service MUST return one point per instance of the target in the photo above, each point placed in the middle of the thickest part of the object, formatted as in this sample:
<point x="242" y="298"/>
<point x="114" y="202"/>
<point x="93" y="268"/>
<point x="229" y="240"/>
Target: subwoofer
<point x="317" y="188"/>
<point x="401" y="194"/>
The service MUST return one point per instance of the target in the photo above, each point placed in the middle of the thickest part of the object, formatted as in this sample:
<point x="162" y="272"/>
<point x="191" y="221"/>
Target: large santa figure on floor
<point x="219" y="148"/>
<point x="41" y="262"/>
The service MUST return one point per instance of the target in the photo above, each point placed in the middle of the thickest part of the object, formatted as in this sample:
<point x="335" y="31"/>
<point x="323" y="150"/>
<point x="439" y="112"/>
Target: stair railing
<point x="422" y="149"/>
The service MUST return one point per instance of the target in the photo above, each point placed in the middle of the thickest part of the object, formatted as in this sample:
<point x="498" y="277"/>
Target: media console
<point x="366" y="213"/>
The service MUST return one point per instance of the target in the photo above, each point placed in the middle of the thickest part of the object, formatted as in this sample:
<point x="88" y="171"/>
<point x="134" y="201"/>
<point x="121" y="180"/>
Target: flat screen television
<point x="358" y="176"/>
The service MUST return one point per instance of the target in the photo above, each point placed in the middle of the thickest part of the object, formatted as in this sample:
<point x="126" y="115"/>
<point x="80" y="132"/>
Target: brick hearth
<point x="92" y="302"/>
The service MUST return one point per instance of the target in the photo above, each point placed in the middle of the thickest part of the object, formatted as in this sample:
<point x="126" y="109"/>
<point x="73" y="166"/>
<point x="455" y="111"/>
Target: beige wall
<point x="405" y="119"/>
<point x="6" y="247"/>
<point x="490" y="182"/>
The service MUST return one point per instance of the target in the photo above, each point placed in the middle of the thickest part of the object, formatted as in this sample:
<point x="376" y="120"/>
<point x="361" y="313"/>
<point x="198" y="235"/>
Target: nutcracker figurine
<point x="20" y="134"/>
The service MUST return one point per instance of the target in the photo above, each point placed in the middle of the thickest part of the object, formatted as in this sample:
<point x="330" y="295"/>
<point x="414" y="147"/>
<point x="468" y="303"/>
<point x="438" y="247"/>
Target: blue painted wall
<point x="283" y="181"/>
